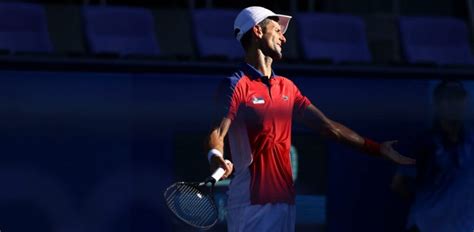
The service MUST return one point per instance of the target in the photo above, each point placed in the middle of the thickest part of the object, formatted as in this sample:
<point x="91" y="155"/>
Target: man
<point x="258" y="107"/>
<point x="443" y="179"/>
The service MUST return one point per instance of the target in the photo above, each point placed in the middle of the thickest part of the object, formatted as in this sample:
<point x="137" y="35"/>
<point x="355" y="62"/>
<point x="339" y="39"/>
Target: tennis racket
<point x="193" y="202"/>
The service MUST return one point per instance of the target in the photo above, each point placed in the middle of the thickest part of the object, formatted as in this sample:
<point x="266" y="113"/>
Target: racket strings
<point x="191" y="205"/>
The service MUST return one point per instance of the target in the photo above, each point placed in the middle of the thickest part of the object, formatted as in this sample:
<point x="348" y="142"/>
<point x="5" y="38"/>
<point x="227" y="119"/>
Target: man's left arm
<point x="316" y="119"/>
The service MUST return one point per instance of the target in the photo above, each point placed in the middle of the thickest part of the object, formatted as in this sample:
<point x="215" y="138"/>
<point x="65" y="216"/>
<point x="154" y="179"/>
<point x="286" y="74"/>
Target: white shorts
<point x="263" y="218"/>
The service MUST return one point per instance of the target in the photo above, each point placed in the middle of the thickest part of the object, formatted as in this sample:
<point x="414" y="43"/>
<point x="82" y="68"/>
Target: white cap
<point x="251" y="16"/>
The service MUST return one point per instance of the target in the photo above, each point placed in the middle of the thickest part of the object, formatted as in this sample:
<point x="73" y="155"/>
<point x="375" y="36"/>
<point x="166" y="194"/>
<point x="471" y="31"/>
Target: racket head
<point x="191" y="205"/>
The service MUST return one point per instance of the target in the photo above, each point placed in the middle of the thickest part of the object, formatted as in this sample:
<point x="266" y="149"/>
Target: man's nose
<point x="282" y="39"/>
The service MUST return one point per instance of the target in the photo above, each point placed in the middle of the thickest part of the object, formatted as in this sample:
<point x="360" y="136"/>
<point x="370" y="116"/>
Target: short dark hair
<point x="246" y="39"/>
<point x="449" y="89"/>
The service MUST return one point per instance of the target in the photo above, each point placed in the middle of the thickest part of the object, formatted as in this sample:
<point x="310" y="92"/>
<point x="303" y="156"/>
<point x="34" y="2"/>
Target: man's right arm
<point x="229" y="98"/>
<point x="216" y="147"/>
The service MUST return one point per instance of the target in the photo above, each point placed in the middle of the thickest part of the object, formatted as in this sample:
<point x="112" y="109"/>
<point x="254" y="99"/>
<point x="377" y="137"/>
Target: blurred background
<point x="103" y="104"/>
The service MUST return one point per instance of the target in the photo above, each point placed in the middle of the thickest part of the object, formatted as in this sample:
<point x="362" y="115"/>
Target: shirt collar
<point x="254" y="73"/>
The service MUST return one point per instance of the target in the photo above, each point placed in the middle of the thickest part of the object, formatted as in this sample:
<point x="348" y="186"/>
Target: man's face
<point x="272" y="40"/>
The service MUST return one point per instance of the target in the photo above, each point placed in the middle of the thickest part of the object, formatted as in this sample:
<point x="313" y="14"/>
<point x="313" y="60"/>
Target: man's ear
<point x="257" y="31"/>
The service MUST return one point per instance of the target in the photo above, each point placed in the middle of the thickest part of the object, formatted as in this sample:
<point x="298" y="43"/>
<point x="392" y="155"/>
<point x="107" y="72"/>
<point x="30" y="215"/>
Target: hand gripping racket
<point x="193" y="202"/>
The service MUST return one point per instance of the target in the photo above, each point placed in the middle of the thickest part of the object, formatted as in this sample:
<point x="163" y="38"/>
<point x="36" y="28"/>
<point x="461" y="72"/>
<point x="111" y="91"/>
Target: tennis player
<point x="257" y="109"/>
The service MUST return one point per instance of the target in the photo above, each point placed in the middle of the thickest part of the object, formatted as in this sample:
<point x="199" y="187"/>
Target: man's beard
<point x="275" y="54"/>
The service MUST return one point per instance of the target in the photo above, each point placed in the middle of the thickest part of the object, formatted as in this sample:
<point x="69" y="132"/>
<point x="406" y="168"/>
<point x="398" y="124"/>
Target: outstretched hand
<point x="387" y="151"/>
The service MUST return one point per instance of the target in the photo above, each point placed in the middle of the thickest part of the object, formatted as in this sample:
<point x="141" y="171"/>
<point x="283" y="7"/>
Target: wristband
<point x="212" y="153"/>
<point x="371" y="147"/>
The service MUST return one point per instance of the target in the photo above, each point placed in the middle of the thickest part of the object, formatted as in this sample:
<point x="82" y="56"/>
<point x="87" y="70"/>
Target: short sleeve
<point x="301" y="102"/>
<point x="229" y="98"/>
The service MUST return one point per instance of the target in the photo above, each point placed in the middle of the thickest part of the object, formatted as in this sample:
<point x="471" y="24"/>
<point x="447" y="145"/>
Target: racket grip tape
<point x="217" y="175"/>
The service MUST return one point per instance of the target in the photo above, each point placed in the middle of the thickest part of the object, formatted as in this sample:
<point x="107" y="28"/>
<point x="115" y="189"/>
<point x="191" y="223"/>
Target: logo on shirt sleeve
<point x="258" y="100"/>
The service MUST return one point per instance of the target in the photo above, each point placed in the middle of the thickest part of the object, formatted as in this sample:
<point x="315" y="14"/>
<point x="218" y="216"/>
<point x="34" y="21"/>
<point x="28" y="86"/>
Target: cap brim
<point x="284" y="21"/>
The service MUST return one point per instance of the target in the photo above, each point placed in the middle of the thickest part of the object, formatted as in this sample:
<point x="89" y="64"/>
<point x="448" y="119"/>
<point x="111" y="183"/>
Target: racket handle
<point x="217" y="175"/>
